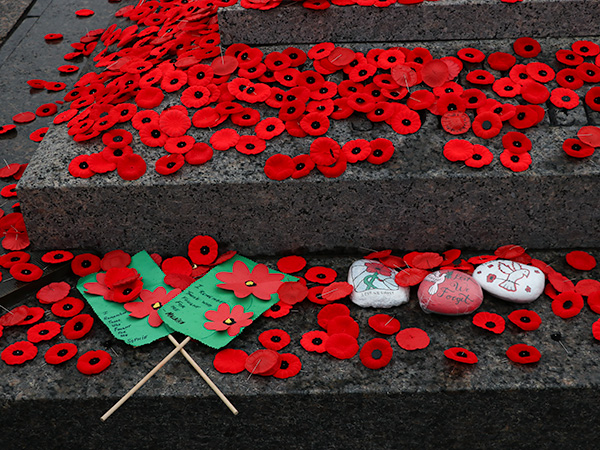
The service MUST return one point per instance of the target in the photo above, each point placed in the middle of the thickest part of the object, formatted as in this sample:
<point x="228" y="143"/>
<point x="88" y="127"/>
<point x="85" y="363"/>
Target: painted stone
<point x="510" y="280"/>
<point x="375" y="285"/>
<point x="449" y="292"/>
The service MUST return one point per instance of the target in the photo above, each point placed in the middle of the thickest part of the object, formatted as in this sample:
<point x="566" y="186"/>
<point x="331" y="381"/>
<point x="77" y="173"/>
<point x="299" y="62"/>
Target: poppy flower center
<point x="229" y="321"/>
<point x="376" y="354"/>
<point x="86" y="263"/>
<point x="486" y="125"/>
<point x="568" y="304"/>
<point x="181" y="144"/>
<point x="275" y="338"/>
<point x="472" y="100"/>
<point x="127" y="291"/>
<point x="543" y="73"/>
<point x="356" y="150"/>
<point x="311" y="80"/>
<point x="271" y="128"/>
<point x="523" y="76"/>
<point x="570" y="78"/>
<point x="250" y="283"/>
<point x="352" y="89"/>
<point x="198" y="94"/>
<point x="461" y="354"/>
<point x="514" y="158"/>
<point x="480" y="77"/>
<point x="28" y="318"/>
<point x="293" y="56"/>
<point x="83" y="165"/>
<point x="174" y="81"/>
<point x="584" y="49"/>
<point x="469" y="55"/>
<point x="406" y="122"/>
<point x="377" y="153"/>
<point x="317" y="341"/>
<point x="284" y="365"/>
<point x="490" y="324"/>
<point x="523" y="353"/>
<point x="420" y="61"/>
<point x="146" y="120"/>
<point x="26" y="272"/>
<point x="94" y="361"/>
<point x="517" y="144"/>
<point x="508" y="88"/>
<point x="452" y="107"/>
<point x="118" y="152"/>
<point x="78" y="326"/>
<point x="170" y="165"/>
<point x="67" y="307"/>
<point x="205" y="250"/>
<point x="246" y="116"/>
<point x="565" y="98"/>
<point x="155" y="134"/>
<point x="477" y="156"/>
<point x="18" y="352"/>
<point x="597" y="100"/>
<point x="591" y="73"/>
<point x="525" y="319"/>
<point x="250" y="146"/>
<point x="323" y="90"/>
<point x="288" y="78"/>
<point x="300" y="166"/>
<point x="521" y="116"/>
<point x="62" y="352"/>
<point x="291" y="110"/>
<point x="576" y="147"/>
<point x="250" y="90"/>
<point x="43" y="332"/>
<point x="315" y="125"/>
<point x="15" y="258"/>
<point x="321" y="275"/>
<point x="362" y="73"/>
<point x="156" y="305"/>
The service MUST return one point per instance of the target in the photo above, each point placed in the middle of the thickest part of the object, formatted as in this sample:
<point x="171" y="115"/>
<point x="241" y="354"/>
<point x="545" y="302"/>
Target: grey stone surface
<point x="417" y="200"/>
<point x="10" y="13"/>
<point x="431" y="20"/>
<point x="420" y="400"/>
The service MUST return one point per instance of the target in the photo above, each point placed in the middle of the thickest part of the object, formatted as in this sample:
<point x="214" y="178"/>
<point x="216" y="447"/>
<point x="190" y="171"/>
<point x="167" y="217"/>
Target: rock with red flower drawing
<point x="374" y="285"/>
<point x="449" y="292"/>
<point x="510" y="280"/>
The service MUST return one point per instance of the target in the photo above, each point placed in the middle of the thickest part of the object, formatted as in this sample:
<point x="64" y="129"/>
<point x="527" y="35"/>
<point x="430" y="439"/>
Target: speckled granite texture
<point x="10" y="13"/>
<point x="416" y="201"/>
<point x="431" y="20"/>
<point x="420" y="400"/>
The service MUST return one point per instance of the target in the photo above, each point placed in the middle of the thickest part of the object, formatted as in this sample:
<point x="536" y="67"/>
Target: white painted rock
<point x="449" y="292"/>
<point x="510" y="281"/>
<point x="375" y="285"/>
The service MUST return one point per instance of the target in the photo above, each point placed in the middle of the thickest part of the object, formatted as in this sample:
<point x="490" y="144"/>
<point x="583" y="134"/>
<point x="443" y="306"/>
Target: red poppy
<point x="85" y="264"/>
<point x="567" y="304"/>
<point x="564" y="98"/>
<point x="581" y="260"/>
<point x="169" y="164"/>
<point x="291" y="264"/>
<point x="577" y="149"/>
<point x="67" y="307"/>
<point x="292" y="292"/>
<point x="53" y="36"/>
<point x="19" y="353"/>
<point x="279" y="167"/>
<point x="60" y="353"/>
<point x="341" y="346"/>
<point x="487" y="125"/>
<point x="461" y="355"/>
<point x="480" y="77"/>
<point x="199" y="154"/>
<point x="269" y="128"/>
<point x="315" y="124"/>
<point x="263" y="362"/>
<point x="230" y="360"/>
<point x="381" y="151"/>
<point x="26" y="272"/>
<point x="525" y="319"/>
<point x="587" y="287"/>
<point x="250" y="145"/>
<point x="43" y="332"/>
<point x="516" y="142"/>
<point x="523" y="354"/>
<point x="589" y="135"/>
<point x="596" y="330"/>
<point x="455" y="122"/>
<point x="410" y="277"/>
<point x="259" y="282"/>
<point x="279" y="309"/>
<point x="78" y="326"/>
<point x="534" y="92"/>
<point x="405" y="121"/>
<point x="343" y="324"/>
<point x="525" y="116"/>
<point x="331" y="311"/>
<point x="10" y="259"/>
<point x="376" y="353"/>
<point x="274" y="339"/>
<point x="93" y="362"/>
<point x="45" y="110"/>
<point x="489" y="321"/>
<point x="585" y="48"/>
<point x="458" y="150"/>
<point x="560" y="282"/>
<point x="321" y="275"/>
<point x="517" y="162"/>
<point x="471" y="55"/>
<point x="79" y="167"/>
<point x="289" y="366"/>
<point x="482" y="156"/>
<point x="568" y="78"/>
<point x="384" y="324"/>
<point x="590" y="73"/>
<point x="57" y="256"/>
<point x="34" y="314"/>
<point x="412" y="339"/>
<point x="53" y="292"/>
<point x="527" y="47"/>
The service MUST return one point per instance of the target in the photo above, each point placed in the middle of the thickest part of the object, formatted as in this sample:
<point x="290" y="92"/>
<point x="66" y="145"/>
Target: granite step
<point x="428" y="21"/>
<point x="418" y="200"/>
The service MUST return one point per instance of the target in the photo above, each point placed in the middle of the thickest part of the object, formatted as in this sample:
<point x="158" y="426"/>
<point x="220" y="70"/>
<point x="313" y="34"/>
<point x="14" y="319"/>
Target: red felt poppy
<point x="480" y="77"/>
<point x="577" y="149"/>
<point x="343" y="324"/>
<point x="489" y="321"/>
<point x="482" y="156"/>
<point x="53" y="292"/>
<point x="53" y="36"/>
<point x="507" y="88"/>
<point x="9" y="191"/>
<point x="84" y="12"/>
<point x="525" y="319"/>
<point x="581" y="260"/>
<point x="45" y="110"/>
<point x="596" y="330"/>
<point x="525" y="116"/>
<point x="567" y="304"/>
<point x="199" y="154"/>
<point x="517" y="162"/>
<point x="269" y="128"/>
<point x="115" y="259"/>
<point x="60" y="353"/>
<point x="588" y="72"/>
<point x="291" y="264"/>
<point x="458" y="150"/>
<point x="19" y="353"/>
<point x="336" y="291"/>
<point x="10" y="259"/>
<point x="471" y="55"/>
<point x="585" y="48"/>
<point x="203" y="250"/>
<point x="564" y="98"/>
<point x="67" y="307"/>
<point x="412" y="339"/>
<point x="411" y="276"/>
<point x="523" y="354"/>
<point x="527" y="47"/>
<point x="587" y="287"/>
<point x="289" y="366"/>
<point x="425" y="260"/>
<point x="14" y="316"/>
<point x="85" y="264"/>
<point x="501" y="61"/>
<point x="57" y="256"/>
<point x="593" y="301"/>
<point x="292" y="292"/>
<point x="341" y="346"/>
<point x="263" y="362"/>
<point x="278" y="310"/>
<point x="461" y="355"/>
<point x="487" y="125"/>
<point x="592" y="98"/>
<point x="279" y="167"/>
<point x="455" y="122"/>
<point x="78" y="326"/>
<point x="230" y="360"/>
<point x="149" y="97"/>
<point x="131" y="167"/>
<point x="589" y="135"/>
<point x="24" y="117"/>
<point x="569" y="78"/>
<point x="384" y="324"/>
<point x="54" y="86"/>
<point x="38" y="135"/>
<point x="560" y="282"/>
<point x="6" y="128"/>
<point x="357" y="150"/>
<point x="516" y="142"/>
<point x="43" y="332"/>
<point x="93" y="362"/>
<point x="274" y="339"/>
<point x="315" y="124"/>
<point x="34" y="314"/>
<point x="321" y="275"/>
<point x="381" y="151"/>
<point x="250" y="145"/>
<point x="26" y="272"/>
<point x="376" y="353"/>
<point x="405" y="121"/>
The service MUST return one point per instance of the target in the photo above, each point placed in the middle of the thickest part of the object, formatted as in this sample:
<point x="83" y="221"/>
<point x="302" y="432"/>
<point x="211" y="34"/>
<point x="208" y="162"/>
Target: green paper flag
<point x="214" y="315"/>
<point x="133" y="331"/>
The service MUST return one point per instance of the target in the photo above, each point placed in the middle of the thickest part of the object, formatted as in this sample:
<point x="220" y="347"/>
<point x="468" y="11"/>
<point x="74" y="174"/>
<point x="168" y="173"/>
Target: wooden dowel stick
<point x="146" y="378"/>
<point x="212" y="385"/>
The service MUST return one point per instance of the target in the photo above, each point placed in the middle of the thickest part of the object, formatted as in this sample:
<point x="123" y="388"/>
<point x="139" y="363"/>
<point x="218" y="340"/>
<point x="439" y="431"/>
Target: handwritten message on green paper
<point x="186" y="313"/>
<point x="133" y="331"/>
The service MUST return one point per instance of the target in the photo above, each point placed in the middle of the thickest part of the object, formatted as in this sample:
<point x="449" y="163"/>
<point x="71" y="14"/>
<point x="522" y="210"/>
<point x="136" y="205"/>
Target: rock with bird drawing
<point x="510" y="280"/>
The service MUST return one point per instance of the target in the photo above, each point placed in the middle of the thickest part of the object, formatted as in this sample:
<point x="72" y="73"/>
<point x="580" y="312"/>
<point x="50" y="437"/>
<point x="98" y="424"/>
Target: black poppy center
<point x="568" y="304"/>
<point x="477" y="156"/>
<point x="127" y="291"/>
<point x="26" y="272"/>
<point x="321" y="275"/>
<point x="278" y="63"/>
<point x="419" y="60"/>
<point x="406" y="122"/>
<point x="288" y="78"/>
<point x="597" y="100"/>
<point x="275" y="338"/>
<point x="362" y="73"/>
<point x="170" y="165"/>
<point x="523" y="353"/>
<point x="570" y="78"/>
<point x="452" y="107"/>
<point x="311" y="80"/>
<point x="94" y="361"/>
<point x="146" y="120"/>
<point x="271" y="128"/>
<point x="83" y="165"/>
<point x="377" y="153"/>
<point x="570" y="57"/>
<point x="584" y="49"/>
<point x="78" y="326"/>
<point x="508" y="88"/>
<point x="291" y="110"/>
<point x="352" y="89"/>
<point x="528" y="48"/>
<point x="376" y="354"/>
<point x="521" y="116"/>
<point x="275" y="308"/>
<point x="123" y="113"/>
<point x="490" y="324"/>
<point x="300" y="166"/>
<point x="27" y="318"/>
<point x="250" y="90"/>
<point x="360" y="100"/>
<point x="525" y="319"/>
<point x="43" y="332"/>
<point x="472" y="100"/>
<point x="315" y="125"/>
<point x="250" y="146"/>
<point x="469" y="55"/>
<point x="67" y="307"/>
<point x="576" y="147"/>
<point x="317" y="341"/>
<point x="323" y="90"/>
<point x="62" y="352"/>
<point x="155" y="134"/>
<point x="18" y="352"/>
<point x="514" y="158"/>
<point x="205" y="250"/>
<point x="284" y="365"/>
<point x="174" y="81"/>
<point x="543" y="73"/>
<point x="15" y="258"/>
<point x="486" y="125"/>
<point x="293" y="55"/>
<point x="198" y="94"/>
<point x="565" y="98"/>
<point x="461" y="354"/>
<point x="480" y="77"/>
<point x="246" y="117"/>
<point x="523" y="76"/>
<point x="118" y="152"/>
<point x="356" y="150"/>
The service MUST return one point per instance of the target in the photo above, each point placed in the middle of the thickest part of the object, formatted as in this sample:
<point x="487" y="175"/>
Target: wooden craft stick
<point x="210" y="383"/>
<point x="146" y="378"/>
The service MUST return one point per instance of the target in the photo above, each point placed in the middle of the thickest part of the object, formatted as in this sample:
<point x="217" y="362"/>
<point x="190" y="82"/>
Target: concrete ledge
<point x="431" y="20"/>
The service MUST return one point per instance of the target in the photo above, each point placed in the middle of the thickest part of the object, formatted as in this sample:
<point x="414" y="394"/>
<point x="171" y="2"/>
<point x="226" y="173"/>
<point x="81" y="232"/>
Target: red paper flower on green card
<point x="151" y="302"/>
<point x="242" y="282"/>
<point x="228" y="319"/>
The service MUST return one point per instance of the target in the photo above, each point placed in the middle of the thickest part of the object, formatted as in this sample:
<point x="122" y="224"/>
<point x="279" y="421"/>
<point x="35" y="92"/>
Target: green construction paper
<point x="133" y="331"/>
<point x="185" y="313"/>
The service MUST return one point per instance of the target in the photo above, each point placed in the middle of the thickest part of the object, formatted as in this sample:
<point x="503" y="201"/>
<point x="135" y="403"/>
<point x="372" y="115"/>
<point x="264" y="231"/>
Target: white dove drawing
<point x="436" y="278"/>
<point x="515" y="272"/>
